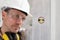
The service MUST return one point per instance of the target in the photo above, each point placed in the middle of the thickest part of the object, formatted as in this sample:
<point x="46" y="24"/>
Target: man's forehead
<point x="14" y="11"/>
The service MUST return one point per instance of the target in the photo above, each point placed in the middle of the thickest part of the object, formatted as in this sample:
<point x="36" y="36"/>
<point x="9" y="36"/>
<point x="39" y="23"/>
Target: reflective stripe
<point x="5" y="37"/>
<point x="17" y="37"/>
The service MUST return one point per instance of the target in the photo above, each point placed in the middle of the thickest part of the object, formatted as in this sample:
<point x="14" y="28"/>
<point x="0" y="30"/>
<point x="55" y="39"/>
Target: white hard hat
<point x="22" y="5"/>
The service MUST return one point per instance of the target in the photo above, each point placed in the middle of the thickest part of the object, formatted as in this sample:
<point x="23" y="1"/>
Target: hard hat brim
<point x="27" y="14"/>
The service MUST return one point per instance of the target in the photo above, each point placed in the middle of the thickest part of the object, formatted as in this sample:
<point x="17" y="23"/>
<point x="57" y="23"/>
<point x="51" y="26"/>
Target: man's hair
<point x="8" y="8"/>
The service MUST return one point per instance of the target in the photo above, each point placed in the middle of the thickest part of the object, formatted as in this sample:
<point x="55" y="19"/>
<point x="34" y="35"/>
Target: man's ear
<point x="4" y="14"/>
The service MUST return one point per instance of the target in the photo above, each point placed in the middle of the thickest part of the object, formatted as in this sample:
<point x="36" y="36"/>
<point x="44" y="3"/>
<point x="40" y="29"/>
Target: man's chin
<point x="15" y="31"/>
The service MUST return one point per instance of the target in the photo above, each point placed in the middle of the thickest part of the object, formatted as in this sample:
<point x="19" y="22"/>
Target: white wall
<point x="41" y="8"/>
<point x="57" y="19"/>
<point x="53" y="19"/>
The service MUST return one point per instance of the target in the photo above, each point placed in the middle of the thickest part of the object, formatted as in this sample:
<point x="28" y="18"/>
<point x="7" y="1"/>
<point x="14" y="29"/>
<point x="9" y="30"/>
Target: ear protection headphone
<point x="11" y="36"/>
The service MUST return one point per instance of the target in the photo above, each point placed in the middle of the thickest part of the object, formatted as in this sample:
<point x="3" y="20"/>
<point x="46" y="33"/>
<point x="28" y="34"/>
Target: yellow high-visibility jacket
<point x="11" y="36"/>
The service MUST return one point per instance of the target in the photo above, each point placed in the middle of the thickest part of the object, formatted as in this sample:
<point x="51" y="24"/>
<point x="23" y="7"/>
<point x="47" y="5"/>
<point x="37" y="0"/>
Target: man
<point x="14" y="13"/>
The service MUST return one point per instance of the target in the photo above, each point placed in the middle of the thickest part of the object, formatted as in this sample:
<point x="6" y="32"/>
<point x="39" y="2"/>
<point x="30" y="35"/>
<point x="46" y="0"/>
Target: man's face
<point x="13" y="19"/>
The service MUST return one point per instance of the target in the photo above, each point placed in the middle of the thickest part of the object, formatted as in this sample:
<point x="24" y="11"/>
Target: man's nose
<point x="19" y="21"/>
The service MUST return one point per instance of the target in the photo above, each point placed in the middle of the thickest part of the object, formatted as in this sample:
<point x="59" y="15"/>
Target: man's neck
<point x="3" y="29"/>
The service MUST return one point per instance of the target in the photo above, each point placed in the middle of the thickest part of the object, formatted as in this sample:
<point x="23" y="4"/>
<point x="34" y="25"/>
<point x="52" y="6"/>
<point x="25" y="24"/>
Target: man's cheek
<point x="10" y="22"/>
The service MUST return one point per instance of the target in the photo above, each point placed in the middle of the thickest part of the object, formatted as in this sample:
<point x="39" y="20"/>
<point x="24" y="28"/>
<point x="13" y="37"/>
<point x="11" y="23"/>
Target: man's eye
<point x="23" y="19"/>
<point x="17" y="16"/>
